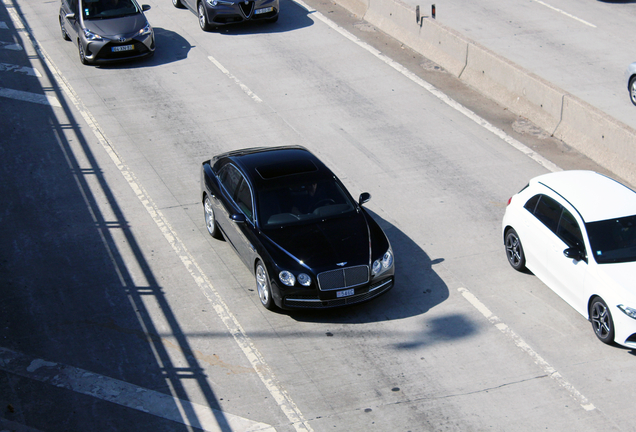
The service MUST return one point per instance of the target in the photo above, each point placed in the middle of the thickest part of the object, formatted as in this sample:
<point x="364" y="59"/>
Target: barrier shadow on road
<point x="67" y="297"/>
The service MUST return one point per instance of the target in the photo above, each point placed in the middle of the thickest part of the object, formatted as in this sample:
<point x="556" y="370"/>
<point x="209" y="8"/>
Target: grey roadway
<point x="582" y="47"/>
<point x="119" y="312"/>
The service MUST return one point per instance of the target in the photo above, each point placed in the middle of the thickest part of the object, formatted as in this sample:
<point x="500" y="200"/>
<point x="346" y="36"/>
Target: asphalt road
<point x="119" y="312"/>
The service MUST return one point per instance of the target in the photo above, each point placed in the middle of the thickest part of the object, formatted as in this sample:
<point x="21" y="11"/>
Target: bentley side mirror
<point x="364" y="197"/>
<point x="238" y="218"/>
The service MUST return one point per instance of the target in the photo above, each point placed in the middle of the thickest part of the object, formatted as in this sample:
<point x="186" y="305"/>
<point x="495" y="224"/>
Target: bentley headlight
<point x="630" y="312"/>
<point x="287" y="278"/>
<point x="304" y="279"/>
<point x="92" y="36"/>
<point x="383" y="264"/>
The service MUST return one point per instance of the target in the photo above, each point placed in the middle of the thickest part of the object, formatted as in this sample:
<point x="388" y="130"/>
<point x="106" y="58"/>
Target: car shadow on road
<point x="292" y="17"/>
<point x="171" y="47"/>
<point x="417" y="290"/>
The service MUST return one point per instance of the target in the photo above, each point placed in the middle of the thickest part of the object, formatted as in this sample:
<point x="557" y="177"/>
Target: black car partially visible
<point x="296" y="227"/>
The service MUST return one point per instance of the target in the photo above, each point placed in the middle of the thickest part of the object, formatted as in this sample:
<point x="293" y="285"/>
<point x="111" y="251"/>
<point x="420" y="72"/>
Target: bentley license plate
<point x="345" y="293"/>
<point x="123" y="48"/>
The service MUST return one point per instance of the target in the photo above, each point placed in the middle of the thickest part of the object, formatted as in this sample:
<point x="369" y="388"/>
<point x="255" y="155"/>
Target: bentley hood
<point x="326" y="244"/>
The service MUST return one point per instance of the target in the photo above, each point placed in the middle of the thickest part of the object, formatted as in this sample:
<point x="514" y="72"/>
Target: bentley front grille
<point x="343" y="278"/>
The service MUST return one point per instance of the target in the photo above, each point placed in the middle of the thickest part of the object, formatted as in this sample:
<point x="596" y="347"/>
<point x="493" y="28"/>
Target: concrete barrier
<point x="599" y="136"/>
<point x="587" y="129"/>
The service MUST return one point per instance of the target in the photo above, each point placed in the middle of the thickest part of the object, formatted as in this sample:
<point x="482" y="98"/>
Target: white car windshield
<point x="613" y="240"/>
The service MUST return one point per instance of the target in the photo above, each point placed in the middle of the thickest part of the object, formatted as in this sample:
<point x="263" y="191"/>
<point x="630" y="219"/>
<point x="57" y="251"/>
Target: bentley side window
<point x="244" y="200"/>
<point x="230" y="178"/>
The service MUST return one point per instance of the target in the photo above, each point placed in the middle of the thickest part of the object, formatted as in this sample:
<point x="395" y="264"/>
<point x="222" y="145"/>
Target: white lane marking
<point x="434" y="91"/>
<point x="256" y="359"/>
<point x="123" y="393"/>
<point x="549" y="370"/>
<point x="564" y="13"/>
<point x="30" y="97"/>
<point x="243" y="87"/>
<point x="7" y="67"/>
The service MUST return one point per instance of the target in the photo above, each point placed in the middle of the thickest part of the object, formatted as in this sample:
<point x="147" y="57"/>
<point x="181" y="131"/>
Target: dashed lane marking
<point x="549" y="370"/>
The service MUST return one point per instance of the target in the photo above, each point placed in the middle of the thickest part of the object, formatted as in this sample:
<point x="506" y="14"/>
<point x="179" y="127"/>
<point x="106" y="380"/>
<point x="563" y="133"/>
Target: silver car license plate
<point x="345" y="293"/>
<point x="123" y="48"/>
<point x="263" y="10"/>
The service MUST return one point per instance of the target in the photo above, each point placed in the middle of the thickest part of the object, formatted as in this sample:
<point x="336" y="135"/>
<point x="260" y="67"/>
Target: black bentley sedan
<point x="295" y="226"/>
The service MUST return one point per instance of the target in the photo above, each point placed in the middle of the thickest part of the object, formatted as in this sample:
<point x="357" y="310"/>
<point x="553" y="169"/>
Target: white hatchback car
<point x="578" y="231"/>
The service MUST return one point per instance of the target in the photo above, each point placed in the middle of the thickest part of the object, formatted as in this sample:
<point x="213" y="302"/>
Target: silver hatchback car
<point x="107" y="30"/>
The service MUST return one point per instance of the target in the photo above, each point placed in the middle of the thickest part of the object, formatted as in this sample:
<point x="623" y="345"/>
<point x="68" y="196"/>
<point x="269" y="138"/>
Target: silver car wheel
<point x="82" y="54"/>
<point x="514" y="250"/>
<point x="63" y="30"/>
<point x="203" y="20"/>
<point x="262" y="285"/>
<point x="210" y="221"/>
<point x="632" y="89"/>
<point x="602" y="321"/>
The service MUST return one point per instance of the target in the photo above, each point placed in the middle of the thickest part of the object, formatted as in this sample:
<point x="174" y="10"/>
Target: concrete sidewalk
<point x="593" y="116"/>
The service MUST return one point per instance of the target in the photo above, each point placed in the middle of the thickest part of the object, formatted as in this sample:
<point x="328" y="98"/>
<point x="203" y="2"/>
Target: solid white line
<point x="549" y="370"/>
<point x="260" y="366"/>
<point x="435" y="92"/>
<point x="243" y="87"/>
<point x="564" y="13"/>
<point x="122" y="393"/>
<point x="30" y="97"/>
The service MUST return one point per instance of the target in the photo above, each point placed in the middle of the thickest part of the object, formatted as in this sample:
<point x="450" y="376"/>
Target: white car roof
<point x="594" y="195"/>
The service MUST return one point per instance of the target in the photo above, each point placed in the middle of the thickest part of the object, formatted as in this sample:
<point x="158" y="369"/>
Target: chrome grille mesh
<point x="343" y="278"/>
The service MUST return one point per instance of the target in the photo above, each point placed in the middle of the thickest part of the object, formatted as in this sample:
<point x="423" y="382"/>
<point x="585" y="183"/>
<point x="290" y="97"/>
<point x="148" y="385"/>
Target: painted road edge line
<point x="549" y="370"/>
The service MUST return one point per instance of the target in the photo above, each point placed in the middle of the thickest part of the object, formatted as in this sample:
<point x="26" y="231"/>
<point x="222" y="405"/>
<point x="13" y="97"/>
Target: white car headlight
<point x="383" y="264"/>
<point x="287" y="278"/>
<point x="630" y="312"/>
